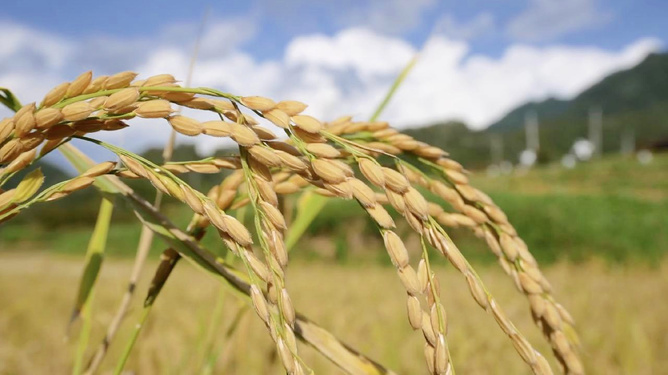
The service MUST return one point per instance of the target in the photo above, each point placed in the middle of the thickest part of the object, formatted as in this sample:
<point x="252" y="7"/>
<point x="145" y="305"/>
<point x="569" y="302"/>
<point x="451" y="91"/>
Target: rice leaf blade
<point x="94" y="258"/>
<point x="393" y="89"/>
<point x="308" y="208"/>
<point x="9" y="99"/>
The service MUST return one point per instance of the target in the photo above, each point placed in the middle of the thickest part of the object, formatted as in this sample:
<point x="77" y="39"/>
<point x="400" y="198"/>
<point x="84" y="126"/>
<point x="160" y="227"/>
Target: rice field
<point x="620" y="310"/>
<point x="198" y="328"/>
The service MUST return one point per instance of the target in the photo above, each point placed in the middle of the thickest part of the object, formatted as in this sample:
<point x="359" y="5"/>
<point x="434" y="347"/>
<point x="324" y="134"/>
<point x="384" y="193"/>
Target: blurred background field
<point x="597" y="229"/>
<point x="612" y="209"/>
<point x="620" y="316"/>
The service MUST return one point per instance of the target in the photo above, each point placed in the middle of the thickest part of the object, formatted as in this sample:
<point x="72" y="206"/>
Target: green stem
<point x="397" y="82"/>
<point x="84" y="336"/>
<point x="94" y="256"/>
<point x="133" y="339"/>
<point x="199" y="90"/>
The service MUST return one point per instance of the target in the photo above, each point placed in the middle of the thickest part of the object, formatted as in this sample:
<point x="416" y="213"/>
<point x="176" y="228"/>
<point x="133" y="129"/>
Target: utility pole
<point x="531" y="128"/>
<point x="628" y="142"/>
<point x="529" y="156"/>
<point x="596" y="130"/>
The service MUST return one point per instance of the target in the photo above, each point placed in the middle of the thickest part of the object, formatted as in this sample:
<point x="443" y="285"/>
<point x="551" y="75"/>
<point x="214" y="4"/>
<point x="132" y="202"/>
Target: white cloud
<point x="488" y="88"/>
<point x="347" y="73"/>
<point x="367" y="53"/>
<point x="548" y="19"/>
<point x="29" y="58"/>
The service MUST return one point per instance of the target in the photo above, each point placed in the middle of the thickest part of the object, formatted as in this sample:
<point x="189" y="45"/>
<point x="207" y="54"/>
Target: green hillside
<point x="613" y="209"/>
<point x="641" y="87"/>
<point x="631" y="100"/>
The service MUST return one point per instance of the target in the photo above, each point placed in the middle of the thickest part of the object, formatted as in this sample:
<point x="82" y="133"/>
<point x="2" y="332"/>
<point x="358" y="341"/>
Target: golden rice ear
<point x="217" y="128"/>
<point x="395" y="181"/>
<point x="291" y="107"/>
<point x="159" y="80"/>
<point x="122" y="98"/>
<point x="95" y="85"/>
<point x="317" y="156"/>
<point x="186" y="125"/>
<point x="323" y="150"/>
<point x="264" y="133"/>
<point x="308" y="123"/>
<point x="396" y="248"/>
<point x="328" y="171"/>
<point x="119" y="80"/>
<point x="21" y="161"/>
<point x="99" y="169"/>
<point x="363" y="193"/>
<point x="77" y="111"/>
<point x="79" y="84"/>
<point x="6" y="128"/>
<point x="258" y="103"/>
<point x="278" y="118"/>
<point x="243" y="135"/>
<point x="372" y="171"/>
<point x="154" y="109"/>
<point x="47" y="117"/>
<point x="24" y="120"/>
<point x="55" y="95"/>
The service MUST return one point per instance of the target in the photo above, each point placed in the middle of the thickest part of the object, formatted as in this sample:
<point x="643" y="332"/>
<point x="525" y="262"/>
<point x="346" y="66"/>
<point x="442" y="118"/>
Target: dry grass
<point x="622" y="320"/>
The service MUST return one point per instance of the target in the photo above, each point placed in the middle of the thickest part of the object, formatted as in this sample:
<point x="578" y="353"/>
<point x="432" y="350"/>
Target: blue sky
<point x="607" y="24"/>
<point x="478" y="59"/>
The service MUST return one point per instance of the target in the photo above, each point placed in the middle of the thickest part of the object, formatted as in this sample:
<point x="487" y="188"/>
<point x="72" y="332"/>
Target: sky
<point x="477" y="60"/>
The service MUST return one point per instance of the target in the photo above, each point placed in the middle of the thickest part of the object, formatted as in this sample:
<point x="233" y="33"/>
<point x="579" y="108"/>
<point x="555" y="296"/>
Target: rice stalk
<point x="269" y="223"/>
<point x="339" y="181"/>
<point x="149" y="109"/>
<point x="488" y="221"/>
<point x="316" y="156"/>
<point x="23" y="196"/>
<point x="339" y="353"/>
<point x="414" y="208"/>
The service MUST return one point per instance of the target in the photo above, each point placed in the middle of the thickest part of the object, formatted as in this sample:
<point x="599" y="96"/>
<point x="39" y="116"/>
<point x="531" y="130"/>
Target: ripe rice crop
<point x="366" y="161"/>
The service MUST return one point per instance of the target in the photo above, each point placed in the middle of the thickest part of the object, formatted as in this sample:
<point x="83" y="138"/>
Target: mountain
<point x="634" y="89"/>
<point x="514" y="120"/>
<point x="633" y="100"/>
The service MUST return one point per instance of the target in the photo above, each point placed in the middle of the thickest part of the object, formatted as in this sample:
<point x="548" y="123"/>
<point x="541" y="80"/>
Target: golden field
<point x="621" y="311"/>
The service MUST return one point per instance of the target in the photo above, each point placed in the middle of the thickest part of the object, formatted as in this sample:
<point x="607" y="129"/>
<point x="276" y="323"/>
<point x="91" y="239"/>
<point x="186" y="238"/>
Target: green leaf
<point x="94" y="254"/>
<point x="308" y="208"/>
<point x="9" y="99"/>
<point x="397" y="82"/>
<point x="94" y="257"/>
<point x="28" y="186"/>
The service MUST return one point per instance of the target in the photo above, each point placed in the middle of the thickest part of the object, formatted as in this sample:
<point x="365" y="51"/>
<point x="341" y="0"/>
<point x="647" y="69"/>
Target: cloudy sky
<point x="477" y="59"/>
